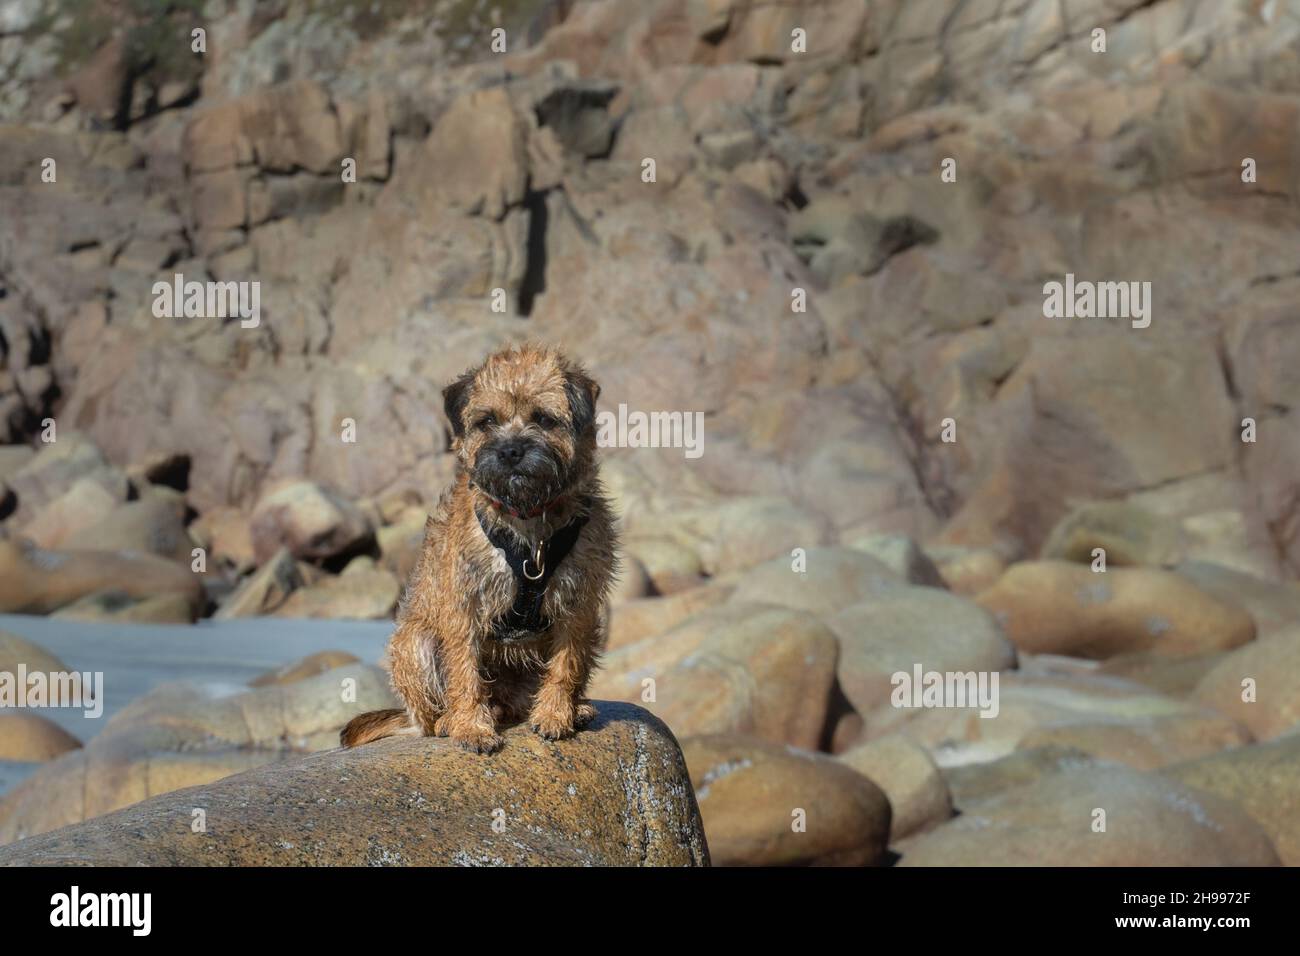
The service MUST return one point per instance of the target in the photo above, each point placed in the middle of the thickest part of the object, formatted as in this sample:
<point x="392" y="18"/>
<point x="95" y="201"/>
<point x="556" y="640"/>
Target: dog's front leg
<point x="414" y="670"/>
<point x="559" y="707"/>
<point x="468" y="719"/>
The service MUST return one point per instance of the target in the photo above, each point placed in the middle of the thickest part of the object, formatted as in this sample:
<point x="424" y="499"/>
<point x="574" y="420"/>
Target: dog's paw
<point x="551" y="725"/>
<point x="583" y="714"/>
<point x="552" y="731"/>
<point x="478" y="741"/>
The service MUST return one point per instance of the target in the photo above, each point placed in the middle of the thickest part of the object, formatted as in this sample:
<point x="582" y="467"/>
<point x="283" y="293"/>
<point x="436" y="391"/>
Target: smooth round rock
<point x="616" y="794"/>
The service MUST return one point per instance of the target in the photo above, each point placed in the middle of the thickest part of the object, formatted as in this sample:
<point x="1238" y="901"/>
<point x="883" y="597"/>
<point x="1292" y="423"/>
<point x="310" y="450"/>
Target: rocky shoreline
<point x="956" y="573"/>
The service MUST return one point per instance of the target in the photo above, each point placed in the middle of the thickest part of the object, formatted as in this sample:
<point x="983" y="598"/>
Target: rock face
<point x="777" y="169"/>
<point x="616" y="794"/>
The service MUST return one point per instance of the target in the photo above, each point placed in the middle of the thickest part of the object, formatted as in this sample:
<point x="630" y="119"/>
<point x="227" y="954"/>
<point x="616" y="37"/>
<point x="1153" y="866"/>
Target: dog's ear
<point x="582" y="392"/>
<point x="454" y="398"/>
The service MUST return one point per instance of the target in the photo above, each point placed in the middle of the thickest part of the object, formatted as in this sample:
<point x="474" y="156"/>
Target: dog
<point x="507" y="607"/>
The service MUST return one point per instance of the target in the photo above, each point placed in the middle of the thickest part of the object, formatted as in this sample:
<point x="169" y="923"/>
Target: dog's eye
<point x="485" y="421"/>
<point x="543" y="420"/>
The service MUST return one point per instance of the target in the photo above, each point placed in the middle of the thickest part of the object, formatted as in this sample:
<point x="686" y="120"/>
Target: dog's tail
<point x="376" y="725"/>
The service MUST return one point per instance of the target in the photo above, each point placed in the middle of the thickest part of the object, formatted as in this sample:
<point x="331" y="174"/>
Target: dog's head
<point x="523" y="426"/>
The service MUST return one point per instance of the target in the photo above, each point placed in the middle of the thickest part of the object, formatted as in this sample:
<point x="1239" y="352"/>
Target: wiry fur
<point x="455" y="677"/>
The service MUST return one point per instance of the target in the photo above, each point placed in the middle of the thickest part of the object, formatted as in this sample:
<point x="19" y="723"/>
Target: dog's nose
<point x="512" y="452"/>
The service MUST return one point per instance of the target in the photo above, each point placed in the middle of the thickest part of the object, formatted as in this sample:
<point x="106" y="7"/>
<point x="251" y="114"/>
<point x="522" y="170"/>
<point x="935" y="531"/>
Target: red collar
<point x="535" y="512"/>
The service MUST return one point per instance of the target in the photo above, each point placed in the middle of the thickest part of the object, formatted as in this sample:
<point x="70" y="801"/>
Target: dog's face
<point x="524" y="425"/>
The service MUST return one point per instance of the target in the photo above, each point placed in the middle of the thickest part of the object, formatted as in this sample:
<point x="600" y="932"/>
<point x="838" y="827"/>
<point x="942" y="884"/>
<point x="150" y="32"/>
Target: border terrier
<point x="506" y="610"/>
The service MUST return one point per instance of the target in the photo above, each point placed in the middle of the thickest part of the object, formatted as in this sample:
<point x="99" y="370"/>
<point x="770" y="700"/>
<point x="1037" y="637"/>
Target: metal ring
<point x="533" y="577"/>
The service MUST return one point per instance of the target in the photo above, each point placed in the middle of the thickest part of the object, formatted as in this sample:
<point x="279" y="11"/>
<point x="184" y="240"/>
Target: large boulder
<point x="37" y="581"/>
<point x="1176" y="676"/>
<point x="1055" y="607"/>
<point x="65" y="519"/>
<point x="1273" y="605"/>
<point x="670" y="564"/>
<point x="827" y="580"/>
<point x="736" y="668"/>
<point x="745" y="531"/>
<point x="54" y="471"/>
<point x="313" y="522"/>
<point x="638" y="619"/>
<point x="894" y="631"/>
<point x="154" y="524"/>
<point x="907" y="774"/>
<point x="115" y="605"/>
<point x="32" y="738"/>
<point x="616" y="794"/>
<point x="184" y="733"/>
<point x="902" y="555"/>
<point x="15" y="651"/>
<point x="1149" y="821"/>
<point x="1144" y="743"/>
<point x="1258" y="684"/>
<point x="1105" y="717"/>
<point x="266" y="589"/>
<point x="363" y="591"/>
<point x="309" y="666"/>
<point x="971" y="783"/>
<point x="766" y="805"/>
<point x="1128" y="534"/>
<point x="1263" y="779"/>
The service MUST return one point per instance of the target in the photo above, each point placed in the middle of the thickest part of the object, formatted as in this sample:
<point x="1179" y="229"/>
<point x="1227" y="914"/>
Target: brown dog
<point x="505" y="611"/>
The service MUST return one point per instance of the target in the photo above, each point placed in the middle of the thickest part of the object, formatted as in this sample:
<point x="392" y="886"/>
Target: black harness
<point x="525" y="615"/>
